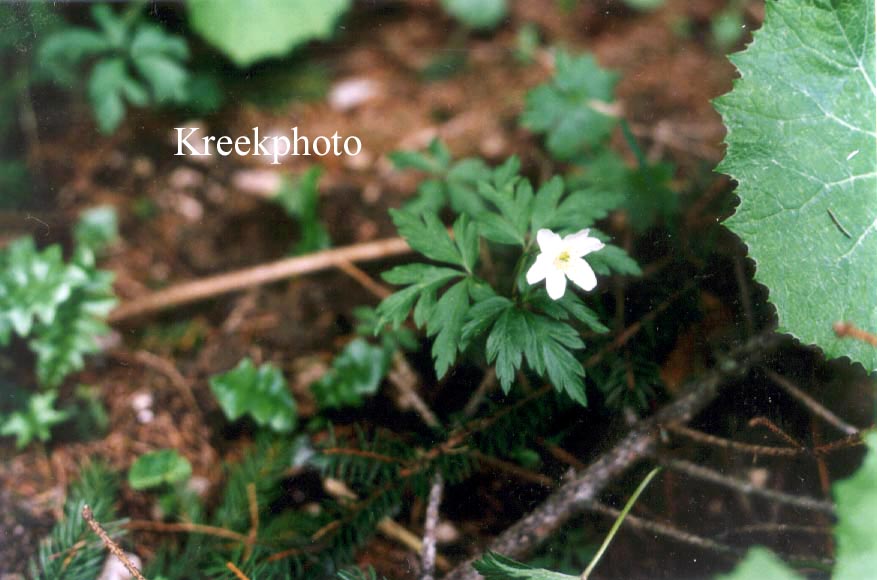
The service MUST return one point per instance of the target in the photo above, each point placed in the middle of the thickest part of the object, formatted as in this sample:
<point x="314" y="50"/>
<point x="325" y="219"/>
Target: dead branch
<point x="573" y="497"/>
<point x="427" y="559"/>
<point x="850" y="330"/>
<point x="112" y="546"/>
<point x="667" y="531"/>
<point x="236" y="571"/>
<point x="210" y="287"/>
<point x="745" y="487"/>
<point x="812" y="404"/>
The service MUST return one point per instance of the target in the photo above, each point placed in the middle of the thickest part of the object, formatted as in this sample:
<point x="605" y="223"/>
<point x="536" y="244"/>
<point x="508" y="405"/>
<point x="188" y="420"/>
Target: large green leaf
<point x="248" y="31"/>
<point x="761" y="564"/>
<point x="802" y="145"/>
<point x="856" y="500"/>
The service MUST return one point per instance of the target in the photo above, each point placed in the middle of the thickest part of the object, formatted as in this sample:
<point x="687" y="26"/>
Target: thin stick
<point x="253" y="503"/>
<point x="775" y="429"/>
<point x="405" y="379"/>
<point x="779" y="529"/>
<point x="766" y="450"/>
<point x="379" y="290"/>
<point x="812" y="404"/>
<point x="396" y="531"/>
<point x="745" y="295"/>
<point x="488" y="382"/>
<point x="236" y="571"/>
<point x="742" y="486"/>
<point x="387" y="526"/>
<point x="210" y="287"/>
<point x="516" y="470"/>
<point x="667" y="531"/>
<point x="561" y="454"/>
<point x="185" y="528"/>
<point x="848" y="329"/>
<point x="427" y="571"/>
<point x="112" y="546"/>
<point x="168" y="369"/>
<point x="707" y="439"/>
<point x="572" y="497"/>
<point x="618" y="521"/>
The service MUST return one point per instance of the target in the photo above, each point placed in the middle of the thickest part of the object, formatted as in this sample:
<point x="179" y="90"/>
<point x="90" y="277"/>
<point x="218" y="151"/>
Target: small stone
<point x="446" y="533"/>
<point x="199" y="485"/>
<point x="261" y="182"/>
<point x="141" y="400"/>
<point x="351" y="93"/>
<point x="143" y="167"/>
<point x="190" y="208"/>
<point x="758" y="476"/>
<point x="185" y="178"/>
<point x="114" y="569"/>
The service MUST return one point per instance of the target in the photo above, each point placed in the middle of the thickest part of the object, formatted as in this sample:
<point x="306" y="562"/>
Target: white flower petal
<point x="555" y="283"/>
<point x="581" y="273"/>
<point x="540" y="269"/>
<point x="581" y="243"/>
<point x="549" y="242"/>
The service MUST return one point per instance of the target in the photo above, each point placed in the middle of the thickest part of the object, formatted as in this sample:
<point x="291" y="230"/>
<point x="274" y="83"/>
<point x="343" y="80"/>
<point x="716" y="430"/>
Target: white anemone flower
<point x="562" y="258"/>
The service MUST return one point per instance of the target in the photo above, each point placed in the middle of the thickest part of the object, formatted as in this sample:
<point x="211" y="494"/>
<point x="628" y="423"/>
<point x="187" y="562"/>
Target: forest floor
<point x="184" y="219"/>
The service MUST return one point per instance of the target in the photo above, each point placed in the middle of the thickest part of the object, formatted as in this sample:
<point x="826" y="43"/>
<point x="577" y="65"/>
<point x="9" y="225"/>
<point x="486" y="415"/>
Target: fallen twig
<point x="112" y="546"/>
<point x="667" y="531"/>
<point x="574" y="496"/>
<point x="812" y="404"/>
<point x="236" y="571"/>
<point x="188" y="292"/>
<point x="427" y="571"/>
<point x="745" y="487"/>
<point x="848" y="329"/>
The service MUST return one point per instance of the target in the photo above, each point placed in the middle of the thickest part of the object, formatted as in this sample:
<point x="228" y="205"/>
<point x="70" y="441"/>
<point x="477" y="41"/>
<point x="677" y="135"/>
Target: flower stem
<point x="617" y="525"/>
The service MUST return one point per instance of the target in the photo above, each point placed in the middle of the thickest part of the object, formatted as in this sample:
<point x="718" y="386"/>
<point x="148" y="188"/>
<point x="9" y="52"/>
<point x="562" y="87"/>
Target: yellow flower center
<point x="562" y="260"/>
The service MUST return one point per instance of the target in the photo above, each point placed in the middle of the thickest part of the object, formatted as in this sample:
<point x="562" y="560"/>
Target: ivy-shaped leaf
<point x="802" y="144"/>
<point x="356" y="372"/>
<point x="158" y="468"/>
<point x="260" y="392"/>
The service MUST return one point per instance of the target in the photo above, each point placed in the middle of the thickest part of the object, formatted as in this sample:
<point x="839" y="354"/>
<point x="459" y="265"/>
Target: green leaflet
<point x="248" y="31"/>
<point x="803" y="147"/>
<point x="260" y="392"/>
<point x="300" y="199"/>
<point x="35" y="422"/>
<point x="139" y="63"/>
<point x="450" y="182"/>
<point x="495" y="566"/>
<point x="546" y="343"/>
<point x="572" y="109"/>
